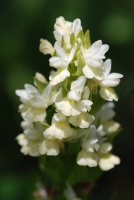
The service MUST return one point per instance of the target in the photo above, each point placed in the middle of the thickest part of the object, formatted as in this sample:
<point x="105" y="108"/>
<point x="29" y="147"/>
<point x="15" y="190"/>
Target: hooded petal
<point x="108" y="94"/>
<point x="46" y="47"/>
<point x="76" y="26"/>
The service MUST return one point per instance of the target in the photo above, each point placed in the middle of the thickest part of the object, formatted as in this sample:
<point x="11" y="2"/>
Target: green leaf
<point x="40" y="85"/>
<point x="81" y="174"/>
<point x="78" y="174"/>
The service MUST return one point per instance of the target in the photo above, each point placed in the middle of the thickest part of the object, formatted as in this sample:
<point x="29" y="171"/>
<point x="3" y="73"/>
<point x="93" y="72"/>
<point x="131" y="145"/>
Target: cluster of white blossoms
<point x="62" y="110"/>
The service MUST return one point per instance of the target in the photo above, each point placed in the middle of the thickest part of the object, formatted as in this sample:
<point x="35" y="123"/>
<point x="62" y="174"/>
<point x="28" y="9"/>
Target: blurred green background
<point x="22" y="24"/>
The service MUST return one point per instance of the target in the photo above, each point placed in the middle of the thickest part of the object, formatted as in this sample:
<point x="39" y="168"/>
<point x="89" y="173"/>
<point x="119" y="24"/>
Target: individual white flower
<point x="108" y="161"/>
<point x="84" y="105"/>
<point x="46" y="47"/>
<point x="27" y="125"/>
<point x="57" y="117"/>
<point x="31" y="138"/>
<point x="25" y="94"/>
<point x="93" y="59"/>
<point x="85" y="158"/>
<point x="38" y="105"/>
<point x="91" y="145"/>
<point x="62" y="30"/>
<point x="106" y="112"/>
<point x="76" y="88"/>
<point x="61" y="62"/>
<point x="29" y="112"/>
<point x="83" y="120"/>
<point x="92" y="139"/>
<point x="22" y="140"/>
<point x="58" y="130"/>
<point x="43" y="100"/>
<point x="70" y="194"/>
<point x="62" y="59"/>
<point x="49" y="147"/>
<point x="76" y="27"/>
<point x="34" y="114"/>
<point x="108" y="81"/>
<point x="105" y="115"/>
<point x="66" y="106"/>
<point x="111" y="127"/>
<point x="105" y="147"/>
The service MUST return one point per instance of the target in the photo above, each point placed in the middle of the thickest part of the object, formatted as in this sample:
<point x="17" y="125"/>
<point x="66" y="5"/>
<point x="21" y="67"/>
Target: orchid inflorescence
<point x="70" y="108"/>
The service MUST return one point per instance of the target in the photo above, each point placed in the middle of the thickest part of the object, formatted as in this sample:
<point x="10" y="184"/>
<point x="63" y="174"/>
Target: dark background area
<point x="22" y="24"/>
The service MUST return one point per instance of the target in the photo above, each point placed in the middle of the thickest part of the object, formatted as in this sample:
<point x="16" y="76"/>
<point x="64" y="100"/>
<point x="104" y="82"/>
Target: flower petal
<point x="59" y="76"/>
<point x="108" y="94"/>
<point x="83" y="120"/>
<point x="49" y="147"/>
<point x="108" y="161"/>
<point x="86" y="159"/>
<point x="58" y="130"/>
<point x="67" y="107"/>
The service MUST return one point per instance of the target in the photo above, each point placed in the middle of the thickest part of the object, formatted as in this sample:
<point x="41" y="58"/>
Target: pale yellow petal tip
<point x="46" y="47"/>
<point x="40" y="77"/>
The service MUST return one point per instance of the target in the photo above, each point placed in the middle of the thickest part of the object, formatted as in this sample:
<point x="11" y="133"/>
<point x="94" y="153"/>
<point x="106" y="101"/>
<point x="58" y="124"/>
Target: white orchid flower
<point x="83" y="120"/>
<point x="58" y="130"/>
<point x="76" y="88"/>
<point x="25" y="94"/>
<point x="31" y="138"/>
<point x="49" y="147"/>
<point x="61" y="62"/>
<point x="93" y="59"/>
<point x="85" y="158"/>
<point x="108" y="81"/>
<point x="62" y="30"/>
<point x="108" y="161"/>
